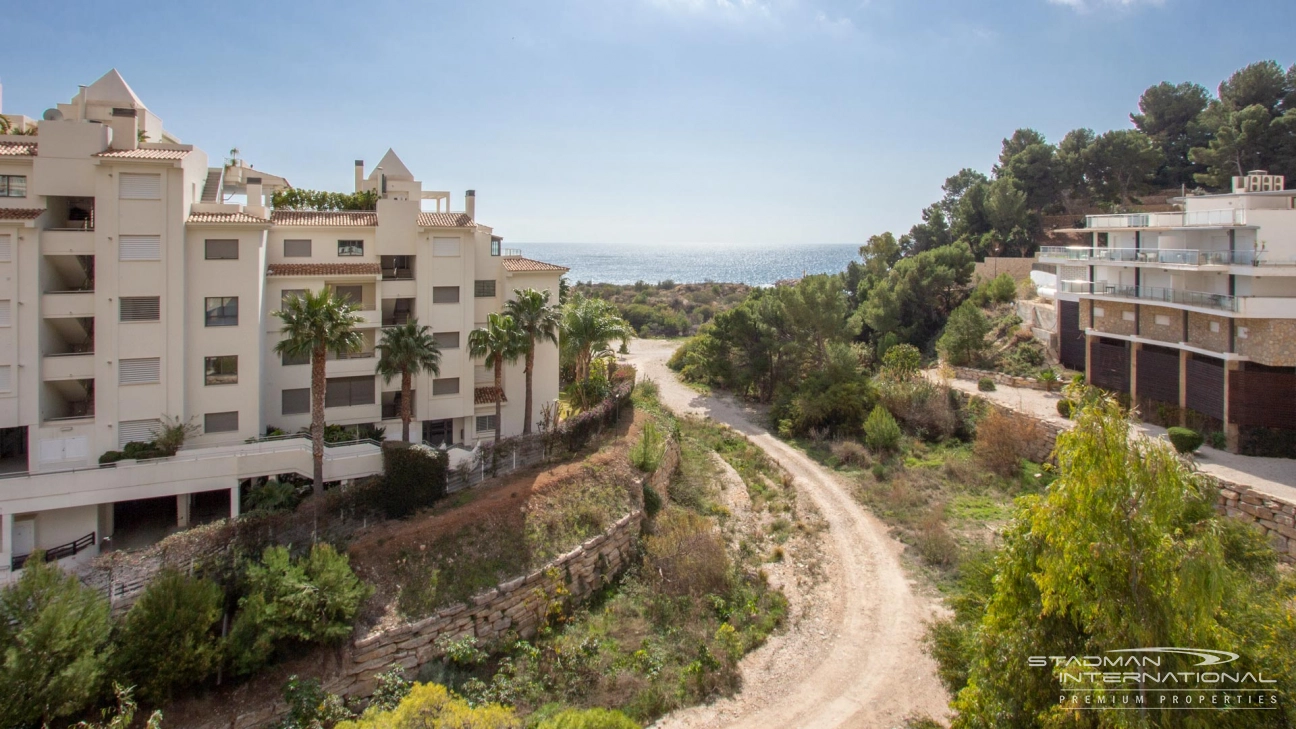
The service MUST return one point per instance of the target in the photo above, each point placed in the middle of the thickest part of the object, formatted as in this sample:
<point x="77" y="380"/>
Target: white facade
<point x="130" y="290"/>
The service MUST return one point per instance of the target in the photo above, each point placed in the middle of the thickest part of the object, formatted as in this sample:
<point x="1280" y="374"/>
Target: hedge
<point x="414" y="477"/>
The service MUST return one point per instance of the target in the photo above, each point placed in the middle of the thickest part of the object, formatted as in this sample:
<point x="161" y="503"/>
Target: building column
<point x="234" y="501"/>
<point x="6" y="535"/>
<point x="1230" y="428"/>
<point x="182" y="511"/>
<point x="1088" y="359"/>
<point x="1133" y="372"/>
<point x="1184" y="356"/>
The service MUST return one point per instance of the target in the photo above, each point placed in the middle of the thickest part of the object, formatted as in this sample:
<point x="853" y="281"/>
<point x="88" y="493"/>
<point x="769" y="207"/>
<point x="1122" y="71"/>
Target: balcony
<point x="68" y="366"/>
<point x="1155" y="294"/>
<point x="391" y="405"/>
<point x="67" y="400"/>
<point x="67" y="304"/>
<point x="1158" y="256"/>
<point x="397" y="311"/>
<point x="1226" y="218"/>
<point x="397" y="268"/>
<point x="67" y="242"/>
<point x="70" y="213"/>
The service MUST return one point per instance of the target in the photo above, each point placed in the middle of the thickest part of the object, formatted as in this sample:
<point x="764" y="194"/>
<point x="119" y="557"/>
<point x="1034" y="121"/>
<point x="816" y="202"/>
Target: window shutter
<point x="295" y="401"/>
<point x="137" y="431"/>
<point x="220" y="422"/>
<point x="221" y="250"/>
<point x="140" y="187"/>
<point x="484" y="288"/>
<point x="139" y="248"/>
<point x="297" y="249"/>
<point x="6" y="248"/>
<point x="445" y="386"/>
<point x="140" y="308"/>
<point x="482" y="373"/>
<point x="445" y="294"/>
<point x="446" y="340"/>
<point x="485" y="423"/>
<point x="6" y="312"/>
<point x="6" y="378"/>
<point x="445" y="247"/>
<point x="142" y="371"/>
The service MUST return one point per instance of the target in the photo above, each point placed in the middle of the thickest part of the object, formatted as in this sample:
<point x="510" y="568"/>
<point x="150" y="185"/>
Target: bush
<point x="1218" y="440"/>
<point x="431" y="705"/>
<point x="1185" y="440"/>
<point x="168" y="639"/>
<point x="311" y="600"/>
<point x="414" y="477"/>
<point x="310" y="706"/>
<point x="1002" y="289"/>
<point x="1065" y="408"/>
<point x="901" y="361"/>
<point x="881" y="432"/>
<point x="1003" y="440"/>
<point x="597" y="718"/>
<point x="652" y="501"/>
<point x="921" y="406"/>
<point x="985" y="384"/>
<point x="646" y="455"/>
<point x="271" y="496"/>
<point x="687" y="554"/>
<point x="53" y="645"/>
<point x="1049" y="377"/>
<point x="850" y="453"/>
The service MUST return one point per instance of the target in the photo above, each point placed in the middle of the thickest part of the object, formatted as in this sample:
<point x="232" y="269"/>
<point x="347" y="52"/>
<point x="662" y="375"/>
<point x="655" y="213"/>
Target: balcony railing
<point x="1223" y="302"/>
<point x="512" y="252"/>
<point x="53" y="554"/>
<point x="1196" y="218"/>
<point x="363" y="354"/>
<point x="1168" y="256"/>
<point x="396" y="320"/>
<point x="397" y="274"/>
<point x="391" y="411"/>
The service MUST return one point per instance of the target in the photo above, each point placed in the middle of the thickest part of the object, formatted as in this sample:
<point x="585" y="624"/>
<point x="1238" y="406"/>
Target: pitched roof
<point x="392" y="167"/>
<point x="323" y="269"/>
<point x="17" y="149"/>
<point x="445" y="220"/>
<point x="112" y="87"/>
<point x="211" y="218"/>
<point x="488" y="395"/>
<point x="145" y="153"/>
<point x="518" y="264"/>
<point x="325" y="218"/>
<point x="20" y="213"/>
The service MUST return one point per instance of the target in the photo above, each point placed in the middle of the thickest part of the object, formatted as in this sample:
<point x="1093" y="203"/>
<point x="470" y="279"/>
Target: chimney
<point x="82" y="94"/>
<point x="470" y="204"/>
<point x="359" y="174"/>
<point x="255" y="198"/>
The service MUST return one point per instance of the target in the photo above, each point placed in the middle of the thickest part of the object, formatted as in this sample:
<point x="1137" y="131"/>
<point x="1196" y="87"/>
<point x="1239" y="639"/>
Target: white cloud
<point x="1086" y="6"/>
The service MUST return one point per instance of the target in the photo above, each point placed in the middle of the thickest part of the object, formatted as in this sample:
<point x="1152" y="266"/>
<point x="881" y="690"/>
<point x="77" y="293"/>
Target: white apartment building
<point x="138" y="282"/>
<point x="1194" y="308"/>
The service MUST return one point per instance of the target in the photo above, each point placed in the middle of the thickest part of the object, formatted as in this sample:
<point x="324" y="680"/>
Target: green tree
<point x="901" y="362"/>
<point x="1016" y="144"/>
<point x="315" y="324"/>
<point x="955" y="187"/>
<point x="1035" y="170"/>
<point x="538" y="322"/>
<point x="918" y="293"/>
<point x="1253" y="125"/>
<point x="1123" y="163"/>
<point x="404" y="351"/>
<point x="1170" y="115"/>
<point x="964" y="337"/>
<point x="498" y="342"/>
<point x="168" y="639"/>
<point x="53" y="645"/>
<point x="588" y="327"/>
<point x="1075" y="177"/>
<point x="818" y="312"/>
<point x="1011" y="219"/>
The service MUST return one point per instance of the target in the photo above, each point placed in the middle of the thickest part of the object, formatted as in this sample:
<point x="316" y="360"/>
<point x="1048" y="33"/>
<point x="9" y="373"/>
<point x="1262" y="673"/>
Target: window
<point x="140" y="308"/>
<point x="6" y="248"/>
<point x="221" y="250"/>
<point x="6" y="378"/>
<point x="145" y="371"/>
<point x="397" y="267"/>
<point x="290" y="293"/>
<point x="221" y="370"/>
<point x="445" y="386"/>
<point x="13" y="185"/>
<point x="445" y="294"/>
<point x="220" y="422"/>
<point x="137" y="431"/>
<point x="485" y="423"/>
<point x="484" y="289"/>
<point x="222" y="311"/>
<point x="289" y="360"/>
<point x="139" y="248"/>
<point x="297" y="249"/>
<point x="345" y="392"/>
<point x="350" y="248"/>
<point x="6" y="312"/>
<point x="445" y="247"/>
<point x="495" y="246"/>
<point x="447" y="340"/>
<point x="483" y="373"/>
<point x="353" y="295"/>
<point x="296" y="401"/>
<point x="140" y="187"/>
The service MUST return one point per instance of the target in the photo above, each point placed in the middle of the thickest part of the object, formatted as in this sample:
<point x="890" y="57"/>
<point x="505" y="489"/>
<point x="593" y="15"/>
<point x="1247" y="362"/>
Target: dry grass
<point x="687" y="554"/>
<point x="850" y="453"/>
<point x="1003" y="440"/>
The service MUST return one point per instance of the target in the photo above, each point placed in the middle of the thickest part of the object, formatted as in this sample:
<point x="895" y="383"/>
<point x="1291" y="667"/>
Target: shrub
<point x="687" y="555"/>
<point x="901" y="361"/>
<point x="1003" y="440"/>
<point x="53" y="645"/>
<point x="646" y="455"/>
<point x="431" y="705"/>
<point x="414" y="477"/>
<point x="985" y="384"/>
<point x="881" y="432"/>
<point x="311" y="600"/>
<point x="1049" y="377"/>
<point x="1065" y="408"/>
<point x="934" y="542"/>
<point x="310" y="706"/>
<point x="921" y="406"/>
<point x="392" y="688"/>
<point x="652" y="501"/>
<point x="1185" y="440"/>
<point x="1218" y="440"/>
<point x="271" y="496"/>
<point x="1002" y="288"/>
<point x="850" y="453"/>
<point x="597" y="718"/>
<point x="123" y="715"/>
<point x="168" y="639"/>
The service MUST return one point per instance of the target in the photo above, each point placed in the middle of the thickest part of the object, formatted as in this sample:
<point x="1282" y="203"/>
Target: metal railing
<point x="1223" y="302"/>
<point x="1196" y="218"/>
<point x="397" y="274"/>
<point x="1166" y="256"/>
<point x="53" y="554"/>
<point x="397" y="320"/>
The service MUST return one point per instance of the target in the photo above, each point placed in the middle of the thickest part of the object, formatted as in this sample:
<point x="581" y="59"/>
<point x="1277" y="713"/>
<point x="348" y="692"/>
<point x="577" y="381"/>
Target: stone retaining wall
<point x="967" y="373"/>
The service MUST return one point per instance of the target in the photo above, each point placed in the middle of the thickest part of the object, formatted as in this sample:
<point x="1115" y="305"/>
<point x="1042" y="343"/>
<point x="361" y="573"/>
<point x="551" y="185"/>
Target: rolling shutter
<point x="140" y="308"/>
<point x="140" y="187"/>
<point x="6" y="248"/>
<point x="137" y="431"/>
<point x="139" y="248"/>
<point x="446" y="340"/>
<point x="445" y="247"/>
<point x="6" y="313"/>
<point x="297" y="249"/>
<point x="143" y="371"/>
<point x="445" y="294"/>
<point x="221" y="422"/>
<point x="445" y="386"/>
<point x="295" y="401"/>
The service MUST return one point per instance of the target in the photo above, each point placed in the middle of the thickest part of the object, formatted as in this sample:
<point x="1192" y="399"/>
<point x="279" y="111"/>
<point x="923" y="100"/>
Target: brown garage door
<point x="1265" y="398"/>
<point x="1158" y="375"/>
<point x="1071" y="339"/>
<point x="1206" y="386"/>
<point x="1110" y="365"/>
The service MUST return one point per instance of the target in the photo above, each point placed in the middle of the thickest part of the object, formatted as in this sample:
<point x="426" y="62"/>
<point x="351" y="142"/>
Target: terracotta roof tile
<point x="325" y="218"/>
<point x="209" y="218"/>
<point x="323" y="269"/>
<point x="17" y="149"/>
<point x="488" y="395"/>
<point x="145" y="153"/>
<point x="20" y="213"/>
<point x="445" y="220"/>
<point x="518" y="264"/>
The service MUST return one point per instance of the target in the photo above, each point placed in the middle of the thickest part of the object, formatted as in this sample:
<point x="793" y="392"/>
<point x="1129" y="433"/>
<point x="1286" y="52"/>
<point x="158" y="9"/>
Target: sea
<point x="755" y="265"/>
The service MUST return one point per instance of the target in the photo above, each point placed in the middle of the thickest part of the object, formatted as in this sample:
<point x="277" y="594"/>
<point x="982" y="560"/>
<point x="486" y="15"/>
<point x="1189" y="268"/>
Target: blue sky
<point x="632" y="122"/>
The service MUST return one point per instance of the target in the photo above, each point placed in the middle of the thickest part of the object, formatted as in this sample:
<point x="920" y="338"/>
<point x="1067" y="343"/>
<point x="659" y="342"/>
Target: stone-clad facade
<point x="1113" y="319"/>
<point x="1268" y="341"/>
<point x="1203" y="336"/>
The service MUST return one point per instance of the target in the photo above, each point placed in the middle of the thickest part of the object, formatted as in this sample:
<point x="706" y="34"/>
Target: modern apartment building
<point x="138" y="281"/>
<point x="1194" y="308"/>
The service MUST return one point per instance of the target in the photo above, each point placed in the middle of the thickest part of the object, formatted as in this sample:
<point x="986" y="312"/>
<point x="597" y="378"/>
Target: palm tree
<point x="407" y="350"/>
<point x="538" y="322"/>
<point x="315" y="324"/>
<point x="588" y="327"/>
<point x="497" y="342"/>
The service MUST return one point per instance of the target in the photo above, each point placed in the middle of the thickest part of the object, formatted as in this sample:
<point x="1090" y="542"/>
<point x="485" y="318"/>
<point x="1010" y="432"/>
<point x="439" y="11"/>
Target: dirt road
<point x="856" y="659"/>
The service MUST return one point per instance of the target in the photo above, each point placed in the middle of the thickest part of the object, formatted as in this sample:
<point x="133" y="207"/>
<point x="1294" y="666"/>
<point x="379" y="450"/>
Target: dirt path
<point x="857" y="659"/>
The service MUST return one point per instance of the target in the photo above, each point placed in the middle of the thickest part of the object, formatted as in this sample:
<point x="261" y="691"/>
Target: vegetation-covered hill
<point x="667" y="309"/>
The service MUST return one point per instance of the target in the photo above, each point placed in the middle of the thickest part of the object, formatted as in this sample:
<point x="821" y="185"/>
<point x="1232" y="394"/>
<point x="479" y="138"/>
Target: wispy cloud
<point x="1087" y="6"/>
